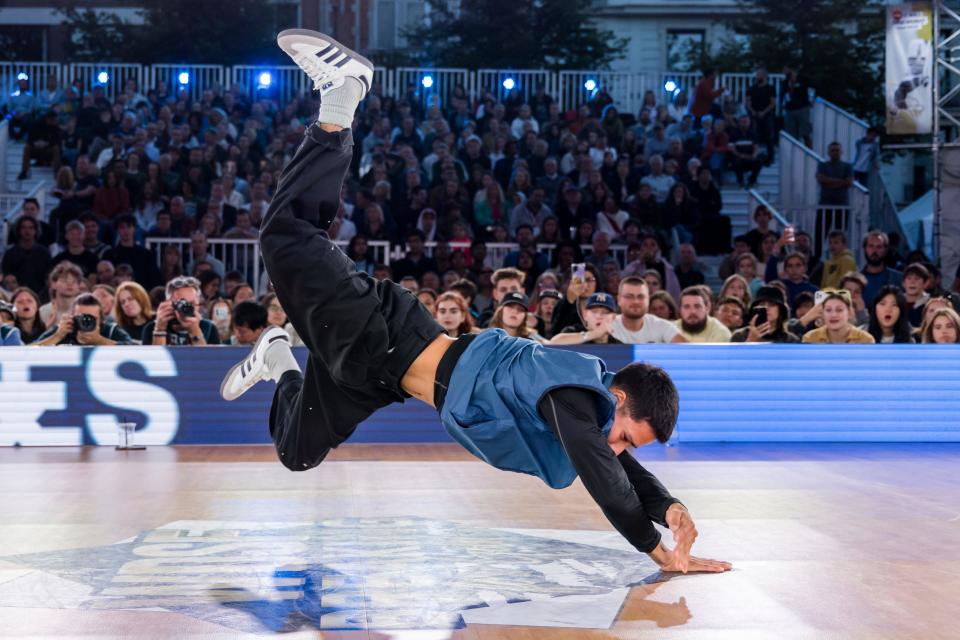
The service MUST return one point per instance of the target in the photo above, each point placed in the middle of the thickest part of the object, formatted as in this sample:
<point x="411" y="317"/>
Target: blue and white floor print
<point x="355" y="573"/>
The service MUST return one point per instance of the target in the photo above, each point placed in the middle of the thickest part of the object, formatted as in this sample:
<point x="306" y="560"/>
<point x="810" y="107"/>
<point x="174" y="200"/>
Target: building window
<point x="684" y="49"/>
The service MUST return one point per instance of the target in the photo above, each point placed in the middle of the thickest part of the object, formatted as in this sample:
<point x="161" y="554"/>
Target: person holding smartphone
<point x="766" y="320"/>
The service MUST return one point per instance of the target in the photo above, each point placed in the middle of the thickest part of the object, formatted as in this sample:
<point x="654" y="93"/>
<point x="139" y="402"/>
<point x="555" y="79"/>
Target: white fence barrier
<point x="195" y="78"/>
<point x="35" y="72"/>
<point x="281" y="83"/>
<point x="501" y="83"/>
<point x="831" y="123"/>
<point x="431" y="86"/>
<point x="112" y="76"/>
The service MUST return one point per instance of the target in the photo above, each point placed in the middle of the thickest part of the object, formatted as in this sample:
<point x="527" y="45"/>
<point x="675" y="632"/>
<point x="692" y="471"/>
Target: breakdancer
<point x="551" y="413"/>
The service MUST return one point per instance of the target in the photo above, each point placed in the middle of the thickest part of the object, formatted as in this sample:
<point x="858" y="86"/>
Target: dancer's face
<point x="627" y="432"/>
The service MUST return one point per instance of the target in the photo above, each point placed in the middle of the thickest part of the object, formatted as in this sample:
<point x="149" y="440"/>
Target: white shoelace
<point x="318" y="72"/>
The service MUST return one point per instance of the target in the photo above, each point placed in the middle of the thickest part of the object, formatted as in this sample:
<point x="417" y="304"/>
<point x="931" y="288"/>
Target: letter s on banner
<point x="158" y="404"/>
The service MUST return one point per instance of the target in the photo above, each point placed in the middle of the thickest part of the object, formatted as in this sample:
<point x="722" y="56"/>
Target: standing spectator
<point x="65" y="282"/>
<point x="511" y="316"/>
<point x="837" y="309"/>
<point x="754" y="238"/>
<point x="705" y="194"/>
<point x="916" y="279"/>
<point x="730" y="312"/>
<point x="570" y="309"/>
<point x="84" y="325"/>
<point x="716" y="150"/>
<point x="451" y="312"/>
<point x="835" y="178"/>
<point x="634" y="325"/>
<point x="796" y="106"/>
<point x="774" y="328"/>
<point x="761" y="104"/>
<point x="889" y="323"/>
<point x="867" y="157"/>
<point x="598" y="317"/>
<point x="745" y="153"/>
<point x="705" y="94"/>
<point x="943" y="327"/>
<point x="75" y="251"/>
<point x="44" y="144"/>
<point x="876" y="271"/>
<point x="132" y="309"/>
<point x="127" y="251"/>
<point x="178" y="320"/>
<point x="28" y="260"/>
<point x="695" y="323"/>
<point x="27" y="303"/>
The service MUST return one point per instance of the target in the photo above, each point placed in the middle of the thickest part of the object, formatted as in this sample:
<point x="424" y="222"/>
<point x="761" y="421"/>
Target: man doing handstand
<point x="518" y="406"/>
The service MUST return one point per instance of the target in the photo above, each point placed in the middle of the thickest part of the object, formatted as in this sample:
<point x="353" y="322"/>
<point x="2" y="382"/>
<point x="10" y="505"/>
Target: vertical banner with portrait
<point x="910" y="60"/>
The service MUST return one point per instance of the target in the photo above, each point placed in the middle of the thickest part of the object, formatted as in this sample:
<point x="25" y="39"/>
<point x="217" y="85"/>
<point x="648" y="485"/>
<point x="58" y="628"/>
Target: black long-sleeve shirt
<point x="630" y="497"/>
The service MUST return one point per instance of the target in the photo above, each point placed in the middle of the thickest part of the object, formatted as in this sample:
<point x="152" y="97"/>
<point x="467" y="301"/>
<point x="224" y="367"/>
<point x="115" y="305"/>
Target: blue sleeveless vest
<point x="491" y="405"/>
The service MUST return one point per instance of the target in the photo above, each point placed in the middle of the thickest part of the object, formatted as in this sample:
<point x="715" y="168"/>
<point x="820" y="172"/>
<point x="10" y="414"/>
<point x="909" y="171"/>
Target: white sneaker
<point x="325" y="60"/>
<point x="253" y="368"/>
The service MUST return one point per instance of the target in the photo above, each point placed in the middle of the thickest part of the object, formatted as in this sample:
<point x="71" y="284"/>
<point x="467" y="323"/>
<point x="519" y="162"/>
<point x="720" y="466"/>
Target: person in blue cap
<point x="514" y="404"/>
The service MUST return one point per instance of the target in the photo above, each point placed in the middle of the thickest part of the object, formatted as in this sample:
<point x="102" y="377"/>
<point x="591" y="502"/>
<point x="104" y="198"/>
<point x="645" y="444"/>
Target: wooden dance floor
<point x="423" y="542"/>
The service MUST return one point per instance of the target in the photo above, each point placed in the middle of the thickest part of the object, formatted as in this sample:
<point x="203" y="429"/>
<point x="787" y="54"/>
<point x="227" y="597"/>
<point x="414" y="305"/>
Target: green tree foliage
<point x="195" y="31"/>
<point x="837" y="44"/>
<point x="518" y="34"/>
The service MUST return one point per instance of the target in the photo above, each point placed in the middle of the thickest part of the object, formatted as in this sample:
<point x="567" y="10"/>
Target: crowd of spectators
<point x="443" y="182"/>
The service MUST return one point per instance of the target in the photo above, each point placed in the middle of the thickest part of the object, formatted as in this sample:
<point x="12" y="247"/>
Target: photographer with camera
<point x="9" y="333"/>
<point x="84" y="325"/>
<point x="178" y="320"/>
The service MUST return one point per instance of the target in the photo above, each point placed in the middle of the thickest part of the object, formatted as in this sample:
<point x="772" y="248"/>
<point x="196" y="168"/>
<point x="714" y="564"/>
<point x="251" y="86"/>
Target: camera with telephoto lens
<point x="184" y="308"/>
<point x="84" y="322"/>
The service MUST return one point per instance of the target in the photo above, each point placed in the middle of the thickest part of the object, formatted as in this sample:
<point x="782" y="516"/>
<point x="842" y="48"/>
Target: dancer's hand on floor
<point x="668" y="560"/>
<point x="684" y="533"/>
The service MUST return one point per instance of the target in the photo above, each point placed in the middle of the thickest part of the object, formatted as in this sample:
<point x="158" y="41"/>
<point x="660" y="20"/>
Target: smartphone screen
<point x="579" y="270"/>
<point x="761" y="314"/>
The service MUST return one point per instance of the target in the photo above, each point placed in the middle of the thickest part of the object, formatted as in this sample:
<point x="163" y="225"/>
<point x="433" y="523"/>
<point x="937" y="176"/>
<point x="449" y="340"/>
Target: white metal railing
<point x="626" y="89"/>
<point x="756" y="199"/>
<point x="111" y="76"/>
<point x="431" y="85"/>
<point x="243" y="255"/>
<point x="831" y="123"/>
<point x="501" y="82"/>
<point x="36" y="73"/>
<point x="497" y="251"/>
<point x="199" y="77"/>
<point x="800" y="197"/>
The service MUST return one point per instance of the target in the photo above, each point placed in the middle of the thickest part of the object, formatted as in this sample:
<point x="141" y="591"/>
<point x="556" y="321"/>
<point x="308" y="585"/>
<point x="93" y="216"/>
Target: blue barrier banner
<point x="891" y="393"/>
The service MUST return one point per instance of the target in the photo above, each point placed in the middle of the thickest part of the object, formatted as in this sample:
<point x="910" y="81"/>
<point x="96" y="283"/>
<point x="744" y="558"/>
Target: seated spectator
<point x="747" y="267"/>
<point x="505" y="280"/>
<point x="220" y="313"/>
<point x="416" y="262"/>
<point x="132" y="309"/>
<point x="943" y="327"/>
<point x="249" y="321"/>
<point x="531" y="212"/>
<point x="634" y="325"/>
<point x="695" y="323"/>
<point x="653" y="280"/>
<point x="44" y="144"/>
<point x="762" y="218"/>
<point x="547" y="300"/>
<point x="178" y="320"/>
<point x="598" y="316"/>
<point x="452" y="313"/>
<point x="128" y="251"/>
<point x="243" y="228"/>
<point x="91" y="236"/>
<point x="200" y="252"/>
<point x="689" y="270"/>
<point x="663" y="306"/>
<point x="9" y="333"/>
<point x="659" y="182"/>
<point x="827" y="274"/>
<point x="27" y="260"/>
<point x="855" y="283"/>
<point x="716" y="151"/>
<point x="111" y="199"/>
<point x="275" y="313"/>
<point x="569" y="310"/>
<point x="46" y="233"/>
<point x="242" y="292"/>
<point x="511" y="316"/>
<point x="65" y="282"/>
<point x="916" y="280"/>
<point x="427" y="297"/>
<point x="611" y="219"/>
<point x="123" y="273"/>
<point x="876" y="246"/>
<point x="705" y="194"/>
<point x="27" y="304"/>
<point x="84" y="325"/>
<point x="767" y="320"/>
<point x="730" y="312"/>
<point x="681" y="213"/>
<point x="837" y="311"/>
<point x="795" y="271"/>
<point x="736" y="287"/>
<point x="651" y="258"/>
<point x="889" y="317"/>
<point x="106" y="296"/>
<point x="75" y="251"/>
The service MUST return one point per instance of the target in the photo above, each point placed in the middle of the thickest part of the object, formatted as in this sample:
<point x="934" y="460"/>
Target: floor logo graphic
<point x="356" y="573"/>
